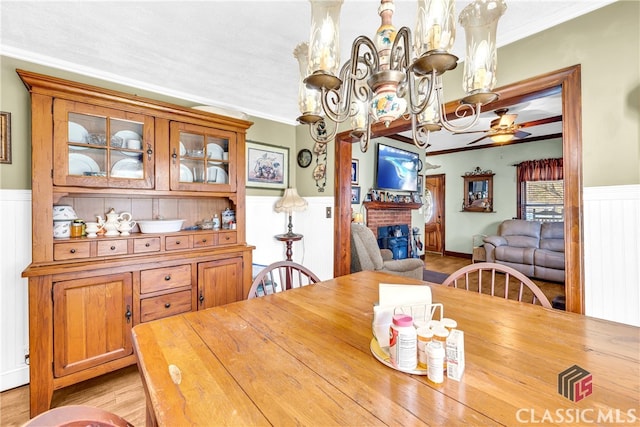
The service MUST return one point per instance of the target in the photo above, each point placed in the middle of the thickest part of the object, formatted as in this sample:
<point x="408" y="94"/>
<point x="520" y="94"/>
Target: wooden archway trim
<point x="568" y="81"/>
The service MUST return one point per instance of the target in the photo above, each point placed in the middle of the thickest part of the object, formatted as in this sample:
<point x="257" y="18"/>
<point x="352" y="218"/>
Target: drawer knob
<point x="167" y="305"/>
<point x="113" y="248"/>
<point x="204" y="240"/>
<point x="167" y="277"/>
<point x="73" y="251"/>
<point x="177" y="242"/>
<point x="147" y="244"/>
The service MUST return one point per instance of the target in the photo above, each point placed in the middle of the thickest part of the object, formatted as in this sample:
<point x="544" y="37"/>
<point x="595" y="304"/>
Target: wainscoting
<point x="612" y="253"/>
<point x="315" y="250"/>
<point x="15" y="256"/>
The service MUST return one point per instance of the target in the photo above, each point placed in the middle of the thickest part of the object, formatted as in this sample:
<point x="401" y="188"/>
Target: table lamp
<point x="290" y="202"/>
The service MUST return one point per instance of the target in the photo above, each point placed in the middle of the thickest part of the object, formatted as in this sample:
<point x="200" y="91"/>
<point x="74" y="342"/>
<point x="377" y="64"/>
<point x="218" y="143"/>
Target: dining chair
<point x="472" y="274"/>
<point x="281" y="276"/>
<point x="77" y="416"/>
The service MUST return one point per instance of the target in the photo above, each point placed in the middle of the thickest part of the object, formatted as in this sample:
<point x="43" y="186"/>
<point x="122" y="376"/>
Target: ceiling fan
<point x="504" y="128"/>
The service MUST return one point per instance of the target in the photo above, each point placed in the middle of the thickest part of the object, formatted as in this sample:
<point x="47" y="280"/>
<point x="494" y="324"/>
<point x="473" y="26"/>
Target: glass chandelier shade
<point x="394" y="75"/>
<point x="324" y="37"/>
<point x="480" y="23"/>
<point x="435" y="26"/>
<point x="308" y="99"/>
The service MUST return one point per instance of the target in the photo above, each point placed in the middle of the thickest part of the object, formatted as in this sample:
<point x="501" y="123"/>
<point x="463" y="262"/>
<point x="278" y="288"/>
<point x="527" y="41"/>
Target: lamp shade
<point x="291" y="202"/>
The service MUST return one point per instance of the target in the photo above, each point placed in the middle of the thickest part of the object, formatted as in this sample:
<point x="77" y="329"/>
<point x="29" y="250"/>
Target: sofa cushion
<point x="552" y="236"/>
<point x="520" y="233"/>
<point x="514" y="254"/>
<point x="495" y="240"/>
<point x="550" y="259"/>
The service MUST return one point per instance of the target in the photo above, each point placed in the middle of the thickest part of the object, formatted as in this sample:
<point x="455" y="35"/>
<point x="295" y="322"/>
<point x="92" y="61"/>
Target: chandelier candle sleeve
<point x="480" y="22"/>
<point x="324" y="40"/>
<point x="435" y="26"/>
<point x="308" y="99"/>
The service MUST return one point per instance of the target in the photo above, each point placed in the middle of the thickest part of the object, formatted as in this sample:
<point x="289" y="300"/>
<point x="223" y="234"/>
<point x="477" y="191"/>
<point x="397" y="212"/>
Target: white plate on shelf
<point x="77" y="133"/>
<point x="214" y="151"/>
<point x="217" y="174"/>
<point x="127" y="168"/>
<point x="126" y="135"/>
<point x="183" y="150"/>
<point x="185" y="174"/>
<point x="79" y="164"/>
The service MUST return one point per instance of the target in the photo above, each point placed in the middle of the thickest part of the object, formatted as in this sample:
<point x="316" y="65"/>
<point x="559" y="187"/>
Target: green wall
<point x="605" y="42"/>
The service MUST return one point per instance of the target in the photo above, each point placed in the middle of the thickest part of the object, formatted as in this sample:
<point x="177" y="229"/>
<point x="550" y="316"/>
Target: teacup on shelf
<point x="92" y="228"/>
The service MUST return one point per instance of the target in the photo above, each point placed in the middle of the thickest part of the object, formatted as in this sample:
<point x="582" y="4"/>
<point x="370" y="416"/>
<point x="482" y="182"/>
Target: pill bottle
<point x="424" y="337"/>
<point x="216" y="222"/>
<point x="448" y="323"/>
<point x="440" y="334"/>
<point x="403" y="342"/>
<point x="435" y="362"/>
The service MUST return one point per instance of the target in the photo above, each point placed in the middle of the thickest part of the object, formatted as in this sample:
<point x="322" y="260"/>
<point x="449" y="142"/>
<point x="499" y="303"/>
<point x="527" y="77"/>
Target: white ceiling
<point x="232" y="54"/>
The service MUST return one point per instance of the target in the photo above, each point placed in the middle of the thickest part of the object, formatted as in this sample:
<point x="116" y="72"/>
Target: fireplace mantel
<point x="391" y="205"/>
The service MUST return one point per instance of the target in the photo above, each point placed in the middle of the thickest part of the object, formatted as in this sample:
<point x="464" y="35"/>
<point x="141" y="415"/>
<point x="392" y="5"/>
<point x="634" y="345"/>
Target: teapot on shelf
<point x="113" y="223"/>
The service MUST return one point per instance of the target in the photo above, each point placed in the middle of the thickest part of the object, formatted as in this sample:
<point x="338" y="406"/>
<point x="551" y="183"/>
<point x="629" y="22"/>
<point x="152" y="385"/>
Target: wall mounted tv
<point x="396" y="169"/>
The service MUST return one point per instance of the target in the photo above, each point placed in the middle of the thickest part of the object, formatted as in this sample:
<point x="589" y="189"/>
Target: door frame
<point x="443" y="179"/>
<point x="568" y="81"/>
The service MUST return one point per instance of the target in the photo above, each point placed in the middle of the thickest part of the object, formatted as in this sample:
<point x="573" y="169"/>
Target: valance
<point x="540" y="170"/>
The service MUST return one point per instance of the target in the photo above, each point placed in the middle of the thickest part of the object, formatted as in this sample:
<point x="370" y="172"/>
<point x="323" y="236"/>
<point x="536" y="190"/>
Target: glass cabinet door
<point x="202" y="159"/>
<point x="102" y="147"/>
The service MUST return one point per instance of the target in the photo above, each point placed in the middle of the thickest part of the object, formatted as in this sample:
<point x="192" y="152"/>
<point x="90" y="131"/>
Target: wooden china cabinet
<point x="96" y="150"/>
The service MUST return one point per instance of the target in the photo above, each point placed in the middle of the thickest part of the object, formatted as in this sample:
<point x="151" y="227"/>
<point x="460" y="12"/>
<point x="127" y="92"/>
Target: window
<point x="541" y="190"/>
<point x="542" y="200"/>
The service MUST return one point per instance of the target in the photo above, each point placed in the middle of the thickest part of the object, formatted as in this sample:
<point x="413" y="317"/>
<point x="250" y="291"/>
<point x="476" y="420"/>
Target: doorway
<point x="434" y="218"/>
<point x="568" y="81"/>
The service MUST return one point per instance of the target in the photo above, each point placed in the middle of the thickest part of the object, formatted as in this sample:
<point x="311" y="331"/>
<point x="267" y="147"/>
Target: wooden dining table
<point x="303" y="357"/>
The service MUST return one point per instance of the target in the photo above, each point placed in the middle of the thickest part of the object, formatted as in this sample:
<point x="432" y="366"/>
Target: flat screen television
<point x="396" y="169"/>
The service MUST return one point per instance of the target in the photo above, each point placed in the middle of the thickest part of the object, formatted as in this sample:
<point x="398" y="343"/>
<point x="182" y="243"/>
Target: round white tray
<point x="382" y="354"/>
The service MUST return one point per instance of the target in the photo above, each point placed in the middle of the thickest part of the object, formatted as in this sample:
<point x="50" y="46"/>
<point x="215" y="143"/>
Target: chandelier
<point x="396" y="75"/>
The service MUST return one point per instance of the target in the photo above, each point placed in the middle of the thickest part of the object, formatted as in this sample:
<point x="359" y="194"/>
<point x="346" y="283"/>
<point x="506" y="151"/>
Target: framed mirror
<point x="478" y="192"/>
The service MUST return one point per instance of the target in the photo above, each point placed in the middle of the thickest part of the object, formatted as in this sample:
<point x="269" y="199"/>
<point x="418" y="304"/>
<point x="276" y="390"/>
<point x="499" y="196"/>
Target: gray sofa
<point x="534" y="248"/>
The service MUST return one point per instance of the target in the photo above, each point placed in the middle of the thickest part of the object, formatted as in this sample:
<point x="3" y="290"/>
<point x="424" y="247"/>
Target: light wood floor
<point x="121" y="392"/>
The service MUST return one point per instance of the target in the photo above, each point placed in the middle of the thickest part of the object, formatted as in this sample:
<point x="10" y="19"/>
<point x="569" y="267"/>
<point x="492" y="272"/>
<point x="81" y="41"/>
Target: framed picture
<point x="420" y="184"/>
<point x="355" y="171"/>
<point x="5" y="137"/>
<point x="267" y="165"/>
<point x="355" y="195"/>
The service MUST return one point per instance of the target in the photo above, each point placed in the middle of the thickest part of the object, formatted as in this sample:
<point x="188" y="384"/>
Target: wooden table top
<point x="303" y="357"/>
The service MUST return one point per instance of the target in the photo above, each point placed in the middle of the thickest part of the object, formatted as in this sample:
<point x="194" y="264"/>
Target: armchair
<point x="366" y="255"/>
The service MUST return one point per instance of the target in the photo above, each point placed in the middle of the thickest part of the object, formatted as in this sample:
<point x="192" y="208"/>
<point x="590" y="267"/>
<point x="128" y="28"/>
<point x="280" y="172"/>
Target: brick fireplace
<point x="380" y="214"/>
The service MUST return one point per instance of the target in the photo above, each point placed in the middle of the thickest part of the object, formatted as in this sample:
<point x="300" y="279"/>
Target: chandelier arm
<point x="463" y="110"/>
<point x="401" y="51"/>
<point x="415" y="105"/>
<point x="318" y="132"/>
<point x="416" y="132"/>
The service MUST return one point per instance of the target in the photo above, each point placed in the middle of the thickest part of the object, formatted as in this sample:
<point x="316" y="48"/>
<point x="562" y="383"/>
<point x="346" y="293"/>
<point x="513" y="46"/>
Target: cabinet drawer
<point x="165" y="305"/>
<point x="71" y="250"/>
<point x="204" y="240"/>
<point x="178" y="242"/>
<point x="112" y="247"/>
<point x="151" y="244"/>
<point x="227" y="238"/>
<point x="160" y="279"/>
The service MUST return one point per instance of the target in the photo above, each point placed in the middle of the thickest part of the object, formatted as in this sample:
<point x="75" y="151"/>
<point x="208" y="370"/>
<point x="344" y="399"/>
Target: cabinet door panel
<point x="91" y="325"/>
<point x="219" y="282"/>
<point x="202" y="158"/>
<point x="102" y="147"/>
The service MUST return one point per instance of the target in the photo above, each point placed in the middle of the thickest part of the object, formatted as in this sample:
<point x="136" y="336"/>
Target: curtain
<point x="540" y="170"/>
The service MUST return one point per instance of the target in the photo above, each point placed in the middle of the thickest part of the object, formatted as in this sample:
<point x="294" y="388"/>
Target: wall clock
<point x="304" y="158"/>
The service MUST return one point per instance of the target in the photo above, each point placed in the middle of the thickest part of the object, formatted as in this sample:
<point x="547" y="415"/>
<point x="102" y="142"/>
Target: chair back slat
<point x="510" y="275"/>
<point x="281" y="276"/>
